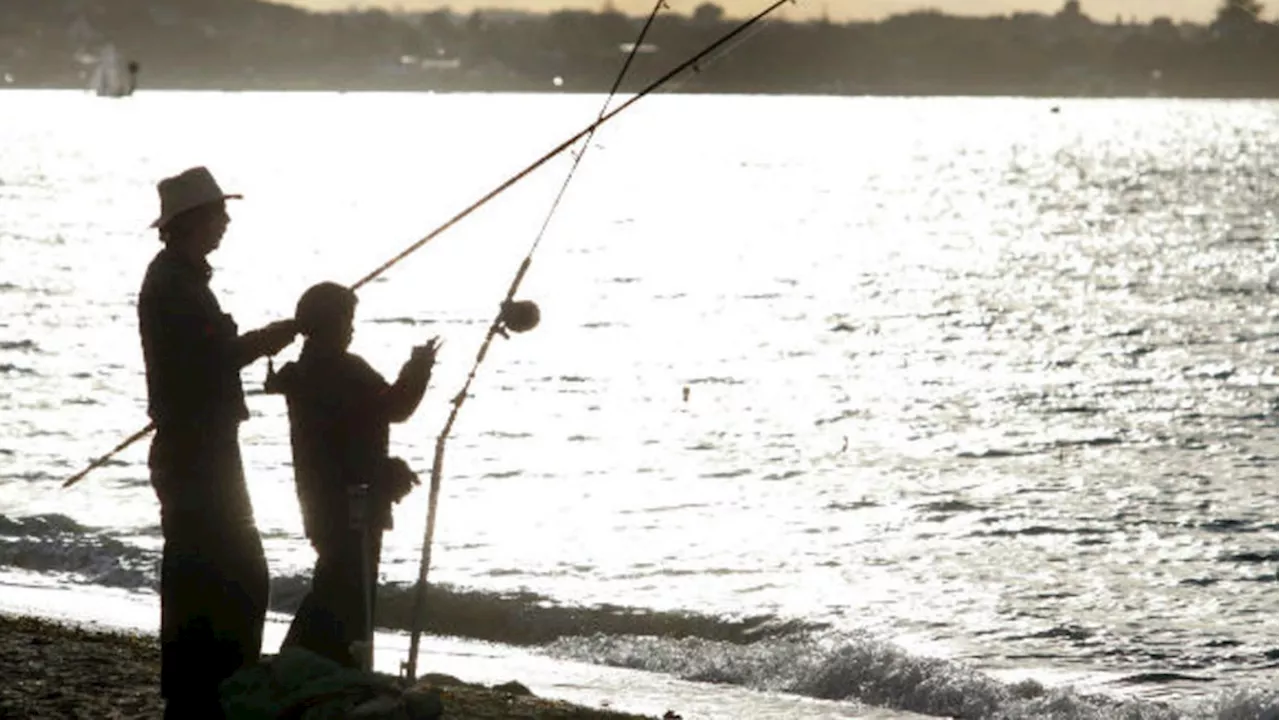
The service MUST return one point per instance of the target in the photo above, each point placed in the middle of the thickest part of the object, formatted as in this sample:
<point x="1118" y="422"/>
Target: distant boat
<point x="642" y="49"/>
<point x="111" y="77"/>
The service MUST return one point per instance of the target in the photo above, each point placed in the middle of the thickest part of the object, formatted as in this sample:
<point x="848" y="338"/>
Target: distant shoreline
<point x="373" y="88"/>
<point x="254" y="45"/>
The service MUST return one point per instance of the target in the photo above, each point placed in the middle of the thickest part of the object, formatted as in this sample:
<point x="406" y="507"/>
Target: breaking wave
<point x="761" y="652"/>
<point x="56" y="546"/>
<point x="860" y="668"/>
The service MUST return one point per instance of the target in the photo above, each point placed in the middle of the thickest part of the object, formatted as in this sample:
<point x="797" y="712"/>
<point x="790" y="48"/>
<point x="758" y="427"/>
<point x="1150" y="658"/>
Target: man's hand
<point x="276" y="336"/>
<point x="266" y="340"/>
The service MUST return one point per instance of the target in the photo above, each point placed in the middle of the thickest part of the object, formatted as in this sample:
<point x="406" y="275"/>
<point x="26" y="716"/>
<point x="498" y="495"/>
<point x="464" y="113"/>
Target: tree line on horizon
<point x="250" y="44"/>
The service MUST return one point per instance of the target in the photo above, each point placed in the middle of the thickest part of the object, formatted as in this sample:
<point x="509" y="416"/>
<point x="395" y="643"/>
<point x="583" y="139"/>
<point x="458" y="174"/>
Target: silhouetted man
<point x="213" y="576"/>
<point x="340" y="413"/>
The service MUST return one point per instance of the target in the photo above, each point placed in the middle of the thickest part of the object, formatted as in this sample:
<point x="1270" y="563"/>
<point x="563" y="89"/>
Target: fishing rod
<point x="410" y="666"/>
<point x="496" y="327"/>
<point x="530" y="313"/>
<point x="692" y="62"/>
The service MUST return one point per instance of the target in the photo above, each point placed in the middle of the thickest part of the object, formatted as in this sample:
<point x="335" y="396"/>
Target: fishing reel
<point x="518" y="316"/>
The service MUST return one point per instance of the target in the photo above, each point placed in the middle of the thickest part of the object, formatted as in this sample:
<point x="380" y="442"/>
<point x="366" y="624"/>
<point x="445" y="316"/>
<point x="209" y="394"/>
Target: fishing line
<point x="692" y="62"/>
<point x="497" y="327"/>
<point x="715" y="57"/>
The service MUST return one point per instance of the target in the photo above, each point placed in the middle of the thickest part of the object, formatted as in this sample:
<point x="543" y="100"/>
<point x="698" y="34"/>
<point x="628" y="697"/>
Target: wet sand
<point x="56" y="670"/>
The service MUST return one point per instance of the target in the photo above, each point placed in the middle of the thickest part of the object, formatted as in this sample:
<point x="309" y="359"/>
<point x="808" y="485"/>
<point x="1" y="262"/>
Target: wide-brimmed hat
<point x="186" y="190"/>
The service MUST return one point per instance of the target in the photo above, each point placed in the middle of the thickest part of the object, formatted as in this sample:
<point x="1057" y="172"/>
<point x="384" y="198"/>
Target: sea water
<point x="981" y="411"/>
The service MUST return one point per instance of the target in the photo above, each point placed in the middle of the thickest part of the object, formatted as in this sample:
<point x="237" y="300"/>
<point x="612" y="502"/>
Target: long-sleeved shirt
<point x="189" y="347"/>
<point x="340" y="413"/>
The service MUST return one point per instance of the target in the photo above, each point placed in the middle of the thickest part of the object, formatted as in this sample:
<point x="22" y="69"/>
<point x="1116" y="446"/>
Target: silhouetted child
<point x="340" y="412"/>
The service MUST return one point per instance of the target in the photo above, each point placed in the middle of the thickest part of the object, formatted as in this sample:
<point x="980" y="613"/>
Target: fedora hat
<point x="186" y="190"/>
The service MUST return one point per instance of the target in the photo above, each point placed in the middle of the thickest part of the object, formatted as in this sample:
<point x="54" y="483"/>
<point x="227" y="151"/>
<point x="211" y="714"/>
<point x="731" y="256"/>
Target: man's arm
<point x="267" y="340"/>
<point x="186" y="344"/>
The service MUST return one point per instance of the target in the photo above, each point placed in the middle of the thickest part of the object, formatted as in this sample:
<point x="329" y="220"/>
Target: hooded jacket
<point x="340" y="413"/>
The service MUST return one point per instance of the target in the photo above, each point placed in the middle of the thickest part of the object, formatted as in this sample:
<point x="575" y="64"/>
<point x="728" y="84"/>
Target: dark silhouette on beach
<point x="340" y="416"/>
<point x="247" y="44"/>
<point x="213" y="573"/>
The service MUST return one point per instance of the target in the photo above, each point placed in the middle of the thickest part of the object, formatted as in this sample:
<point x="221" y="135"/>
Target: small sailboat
<point x="111" y="77"/>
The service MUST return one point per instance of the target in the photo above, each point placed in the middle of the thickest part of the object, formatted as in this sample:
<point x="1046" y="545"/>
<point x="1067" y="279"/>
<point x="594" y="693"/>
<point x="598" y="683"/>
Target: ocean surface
<point x="981" y="414"/>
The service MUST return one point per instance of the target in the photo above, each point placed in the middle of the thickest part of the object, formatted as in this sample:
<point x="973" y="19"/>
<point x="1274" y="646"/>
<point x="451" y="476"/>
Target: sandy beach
<point x="57" y="670"/>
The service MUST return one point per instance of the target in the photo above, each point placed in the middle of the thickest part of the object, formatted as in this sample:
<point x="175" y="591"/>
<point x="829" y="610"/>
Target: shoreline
<point x="902" y="93"/>
<point x="59" y="669"/>
<point x="583" y="685"/>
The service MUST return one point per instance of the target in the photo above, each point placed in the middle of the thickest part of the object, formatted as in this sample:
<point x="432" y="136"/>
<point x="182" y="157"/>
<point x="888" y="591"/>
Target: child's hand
<point x="426" y="354"/>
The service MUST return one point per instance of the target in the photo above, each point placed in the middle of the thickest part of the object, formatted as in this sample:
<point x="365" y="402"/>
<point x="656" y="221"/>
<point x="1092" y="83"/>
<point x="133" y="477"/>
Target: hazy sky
<point x="1102" y="10"/>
